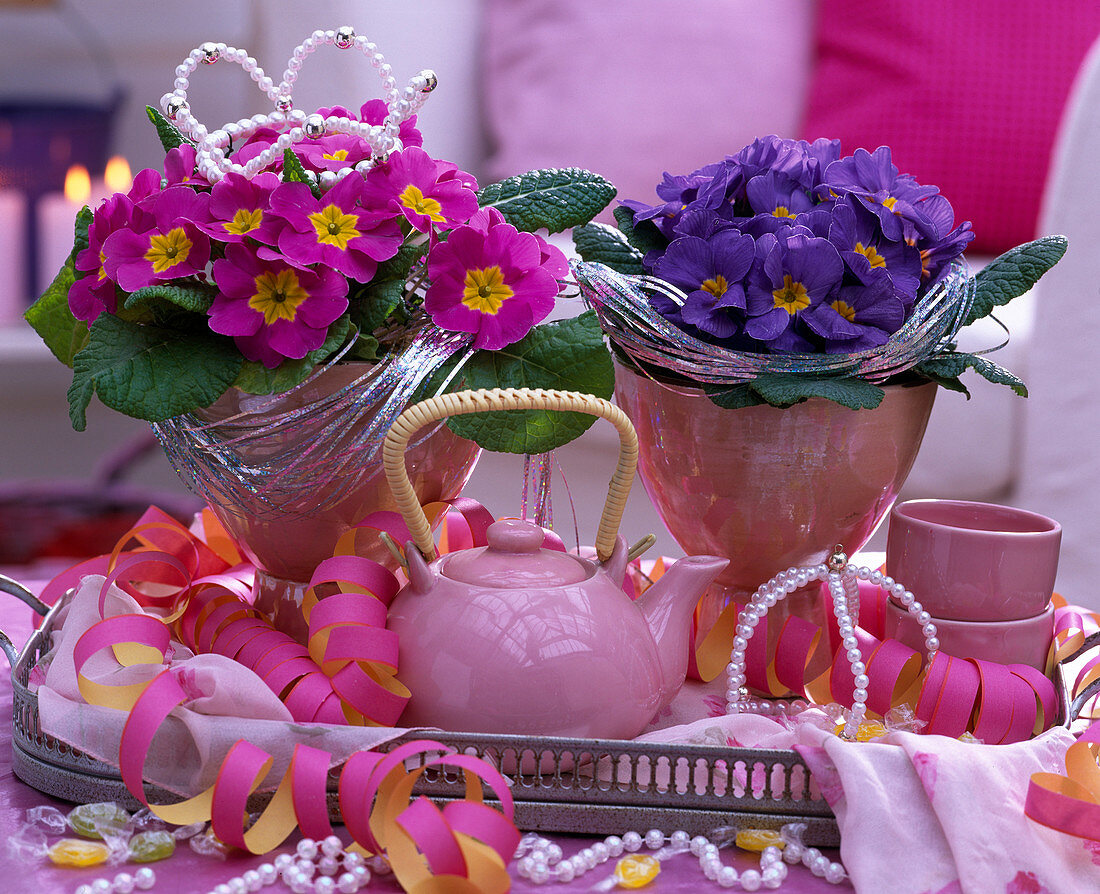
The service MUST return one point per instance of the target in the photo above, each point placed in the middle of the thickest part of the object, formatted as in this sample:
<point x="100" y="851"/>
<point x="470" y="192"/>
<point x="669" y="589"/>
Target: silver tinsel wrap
<point x="621" y="302"/>
<point x="325" y="447"/>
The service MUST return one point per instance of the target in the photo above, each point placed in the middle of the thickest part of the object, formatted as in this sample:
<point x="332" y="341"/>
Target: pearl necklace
<point x="293" y="125"/>
<point x="541" y="861"/>
<point x="324" y="859"/>
<point x="123" y="883"/>
<point x="842" y="579"/>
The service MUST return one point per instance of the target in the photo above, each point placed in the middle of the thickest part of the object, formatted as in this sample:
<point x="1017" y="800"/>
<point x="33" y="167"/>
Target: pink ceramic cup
<point x="1025" y="641"/>
<point x="969" y="561"/>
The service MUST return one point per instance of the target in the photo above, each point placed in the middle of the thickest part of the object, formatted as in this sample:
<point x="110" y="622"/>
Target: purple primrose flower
<point x="710" y="271"/>
<point x="792" y="274"/>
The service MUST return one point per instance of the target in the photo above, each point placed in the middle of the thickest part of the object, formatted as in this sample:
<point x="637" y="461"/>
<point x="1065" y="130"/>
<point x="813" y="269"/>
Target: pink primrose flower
<point x="94" y="292"/>
<point x="410" y="183"/>
<point x="374" y="111"/>
<point x="173" y="247"/>
<point x="146" y="183"/>
<point x="492" y="281"/>
<point x="262" y="139"/>
<point x="333" y="152"/>
<point x="274" y="310"/>
<point x="179" y="167"/>
<point x="334" y="230"/>
<point x="239" y="208"/>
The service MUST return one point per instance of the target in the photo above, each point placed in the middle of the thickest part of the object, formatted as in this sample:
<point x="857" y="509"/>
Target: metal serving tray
<point x="572" y="785"/>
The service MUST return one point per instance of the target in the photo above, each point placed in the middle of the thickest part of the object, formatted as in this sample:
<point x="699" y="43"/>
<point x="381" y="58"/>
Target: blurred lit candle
<point x="13" y="301"/>
<point x="57" y="212"/>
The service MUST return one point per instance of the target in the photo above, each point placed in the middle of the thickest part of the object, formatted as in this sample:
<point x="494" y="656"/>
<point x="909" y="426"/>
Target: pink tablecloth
<point x="188" y="872"/>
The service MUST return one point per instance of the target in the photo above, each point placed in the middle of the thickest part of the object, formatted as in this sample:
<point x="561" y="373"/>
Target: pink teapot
<point x="517" y="638"/>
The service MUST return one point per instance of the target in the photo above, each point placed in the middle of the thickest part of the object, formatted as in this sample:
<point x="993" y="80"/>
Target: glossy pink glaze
<point x="974" y="561"/>
<point x="291" y="539"/>
<point x="770" y="488"/>
<point x="1024" y="641"/>
<point x="537" y="642"/>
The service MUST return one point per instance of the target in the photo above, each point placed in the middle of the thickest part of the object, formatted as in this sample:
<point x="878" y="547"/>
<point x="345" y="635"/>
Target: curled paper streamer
<point x="1070" y="803"/>
<point x="344" y="674"/>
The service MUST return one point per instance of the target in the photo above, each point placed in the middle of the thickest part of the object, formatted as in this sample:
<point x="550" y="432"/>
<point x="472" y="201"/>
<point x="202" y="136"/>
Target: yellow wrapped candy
<point x="868" y="730"/>
<point x="757" y="839"/>
<point x="78" y="852"/>
<point x="636" y="870"/>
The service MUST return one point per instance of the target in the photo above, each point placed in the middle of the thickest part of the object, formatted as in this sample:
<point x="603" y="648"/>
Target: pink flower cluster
<point x="281" y="259"/>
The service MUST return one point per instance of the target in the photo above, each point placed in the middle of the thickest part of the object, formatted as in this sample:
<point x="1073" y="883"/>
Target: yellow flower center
<point x="889" y="202"/>
<point x="415" y="200"/>
<point x="791" y="296"/>
<point x="717" y="286"/>
<point x="102" y="271"/>
<point x="277" y="296"/>
<point x="244" y="221"/>
<point x="334" y="227"/>
<point x="845" y="310"/>
<point x="166" y="251"/>
<point x="485" y="290"/>
<point x="871" y="253"/>
<point x="782" y="211"/>
<point x="337" y="155"/>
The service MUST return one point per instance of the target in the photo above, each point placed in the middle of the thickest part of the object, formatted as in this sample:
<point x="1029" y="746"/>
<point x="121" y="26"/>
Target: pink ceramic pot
<point x="1024" y="641"/>
<point x="770" y="488"/>
<point x="290" y="526"/>
<point x="974" y="561"/>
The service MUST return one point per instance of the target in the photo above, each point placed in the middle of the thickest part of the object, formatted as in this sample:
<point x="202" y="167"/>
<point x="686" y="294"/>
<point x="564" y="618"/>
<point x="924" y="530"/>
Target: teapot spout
<point x="668" y="606"/>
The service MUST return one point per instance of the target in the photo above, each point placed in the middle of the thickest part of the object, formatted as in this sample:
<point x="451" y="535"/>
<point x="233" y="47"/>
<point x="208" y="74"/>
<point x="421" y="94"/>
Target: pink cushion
<point x="968" y="95"/>
<point x="634" y="89"/>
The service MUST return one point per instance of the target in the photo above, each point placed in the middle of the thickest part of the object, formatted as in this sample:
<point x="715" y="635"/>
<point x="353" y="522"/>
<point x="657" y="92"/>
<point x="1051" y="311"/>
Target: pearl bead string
<point x="541" y="861"/>
<point x="123" y="883"/>
<point x="842" y="579"/>
<point x="293" y="125"/>
<point x="337" y="871"/>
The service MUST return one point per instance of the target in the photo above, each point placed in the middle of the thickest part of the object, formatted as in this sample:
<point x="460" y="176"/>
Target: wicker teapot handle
<point x="461" y="402"/>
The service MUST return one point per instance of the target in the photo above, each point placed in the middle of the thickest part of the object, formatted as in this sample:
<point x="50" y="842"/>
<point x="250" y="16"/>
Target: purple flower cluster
<point x="789" y="247"/>
<point x="282" y="259"/>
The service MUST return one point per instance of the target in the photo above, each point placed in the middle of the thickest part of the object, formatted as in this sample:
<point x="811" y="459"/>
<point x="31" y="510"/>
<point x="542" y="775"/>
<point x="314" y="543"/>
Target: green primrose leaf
<point x="1013" y="273"/>
<point x="946" y="369"/>
<point x="50" y="316"/>
<point x="600" y="243"/>
<point x="569" y="355"/>
<point x="733" y="398"/>
<point x="255" y="378"/>
<point x="372" y="303"/>
<point x="170" y="136"/>
<point x="293" y="172"/>
<point x="644" y="237"/>
<point x="193" y="296"/>
<point x="149" y="372"/>
<point x="555" y="199"/>
<point x="786" y="390"/>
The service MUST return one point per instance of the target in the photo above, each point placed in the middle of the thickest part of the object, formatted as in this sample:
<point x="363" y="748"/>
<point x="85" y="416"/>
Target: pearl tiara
<point x="293" y="125"/>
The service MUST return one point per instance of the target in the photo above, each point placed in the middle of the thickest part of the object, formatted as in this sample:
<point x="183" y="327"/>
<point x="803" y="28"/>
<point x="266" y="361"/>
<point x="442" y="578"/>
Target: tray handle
<point x="7" y="585"/>
<point x="492" y="399"/>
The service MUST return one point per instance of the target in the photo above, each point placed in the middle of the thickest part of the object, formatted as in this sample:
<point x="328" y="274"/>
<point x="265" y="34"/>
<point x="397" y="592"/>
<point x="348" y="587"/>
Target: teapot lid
<point x="514" y="558"/>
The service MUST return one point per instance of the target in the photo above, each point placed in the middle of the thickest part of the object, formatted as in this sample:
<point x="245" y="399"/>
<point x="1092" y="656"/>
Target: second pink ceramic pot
<point x="972" y="561"/>
<point x="770" y="488"/>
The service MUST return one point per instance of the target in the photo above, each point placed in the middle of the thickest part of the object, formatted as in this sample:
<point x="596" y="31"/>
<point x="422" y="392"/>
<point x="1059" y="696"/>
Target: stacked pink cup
<point x="985" y="573"/>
